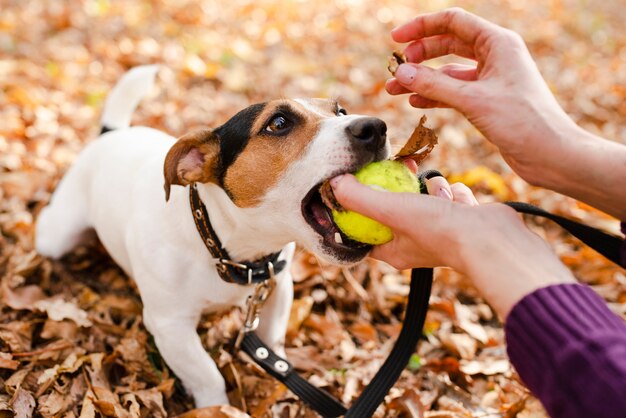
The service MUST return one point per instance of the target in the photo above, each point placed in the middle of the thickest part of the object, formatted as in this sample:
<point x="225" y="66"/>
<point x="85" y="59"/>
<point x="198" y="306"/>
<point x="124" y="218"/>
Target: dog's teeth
<point x="338" y="239"/>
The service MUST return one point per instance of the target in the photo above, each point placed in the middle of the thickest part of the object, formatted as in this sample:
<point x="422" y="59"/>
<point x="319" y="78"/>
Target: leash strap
<point x="244" y="272"/>
<point x="319" y="400"/>
<point x="374" y="393"/>
<point x="412" y="327"/>
<point x="406" y="344"/>
<point x="606" y="244"/>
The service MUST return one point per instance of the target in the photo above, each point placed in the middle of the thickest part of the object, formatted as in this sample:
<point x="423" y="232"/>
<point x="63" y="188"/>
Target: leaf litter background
<point x="71" y="338"/>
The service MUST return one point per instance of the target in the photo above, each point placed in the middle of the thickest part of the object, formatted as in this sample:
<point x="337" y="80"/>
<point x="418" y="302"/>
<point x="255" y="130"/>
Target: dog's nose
<point x="370" y="133"/>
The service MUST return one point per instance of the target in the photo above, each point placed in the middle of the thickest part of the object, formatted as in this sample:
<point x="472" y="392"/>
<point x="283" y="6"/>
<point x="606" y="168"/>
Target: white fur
<point x="116" y="187"/>
<point x="125" y="96"/>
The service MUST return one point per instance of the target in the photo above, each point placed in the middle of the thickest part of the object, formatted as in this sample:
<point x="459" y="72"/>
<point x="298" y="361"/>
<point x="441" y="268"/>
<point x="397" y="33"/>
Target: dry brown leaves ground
<point x="71" y="338"/>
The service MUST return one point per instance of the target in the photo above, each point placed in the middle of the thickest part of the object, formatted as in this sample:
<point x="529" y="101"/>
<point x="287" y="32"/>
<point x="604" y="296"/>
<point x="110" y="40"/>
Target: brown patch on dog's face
<point x="193" y="158"/>
<point x="248" y="154"/>
<point x="278" y="137"/>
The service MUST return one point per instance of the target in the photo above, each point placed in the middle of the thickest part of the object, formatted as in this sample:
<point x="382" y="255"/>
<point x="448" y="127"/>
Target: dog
<point x="258" y="175"/>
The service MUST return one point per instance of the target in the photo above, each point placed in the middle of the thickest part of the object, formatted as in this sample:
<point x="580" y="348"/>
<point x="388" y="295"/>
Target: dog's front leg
<point x="179" y="344"/>
<point x="274" y="316"/>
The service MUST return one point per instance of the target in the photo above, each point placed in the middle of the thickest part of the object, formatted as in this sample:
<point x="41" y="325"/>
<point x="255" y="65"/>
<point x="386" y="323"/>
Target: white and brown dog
<point x="258" y="175"/>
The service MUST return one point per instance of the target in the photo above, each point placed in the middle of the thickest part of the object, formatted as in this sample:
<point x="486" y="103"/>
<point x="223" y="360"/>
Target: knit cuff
<point x="556" y="336"/>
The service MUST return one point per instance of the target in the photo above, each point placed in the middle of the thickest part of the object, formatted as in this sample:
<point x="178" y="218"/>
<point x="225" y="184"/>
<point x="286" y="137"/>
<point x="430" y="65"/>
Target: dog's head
<point x="271" y="158"/>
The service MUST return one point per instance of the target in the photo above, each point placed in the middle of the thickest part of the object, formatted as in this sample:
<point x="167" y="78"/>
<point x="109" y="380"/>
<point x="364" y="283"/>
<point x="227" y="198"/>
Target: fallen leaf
<point x="108" y="403"/>
<point x="5" y="407"/>
<point x="396" y="59"/>
<point x="89" y="409"/>
<point x="408" y="403"/>
<point x="461" y="344"/>
<point x="487" y="366"/>
<point x="364" y="331"/>
<point x="468" y="322"/>
<point x="129" y="401"/>
<point x="300" y="311"/>
<point x="420" y="143"/>
<point x="482" y="176"/>
<point x="152" y="399"/>
<point x="331" y="331"/>
<point x="52" y="405"/>
<point x="23" y="403"/>
<point x="7" y="362"/>
<point x="59" y="310"/>
<point x="65" y="330"/>
<point x="23" y="297"/>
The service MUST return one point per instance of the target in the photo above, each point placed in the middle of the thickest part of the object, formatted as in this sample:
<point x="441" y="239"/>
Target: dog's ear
<point x="193" y="158"/>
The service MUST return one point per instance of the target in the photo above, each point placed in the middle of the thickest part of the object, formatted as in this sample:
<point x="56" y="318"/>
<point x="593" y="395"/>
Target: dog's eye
<point x="341" y="112"/>
<point x="278" y="124"/>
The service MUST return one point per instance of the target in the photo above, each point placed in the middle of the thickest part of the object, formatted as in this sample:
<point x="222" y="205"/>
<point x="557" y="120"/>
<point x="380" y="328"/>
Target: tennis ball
<point x="388" y="175"/>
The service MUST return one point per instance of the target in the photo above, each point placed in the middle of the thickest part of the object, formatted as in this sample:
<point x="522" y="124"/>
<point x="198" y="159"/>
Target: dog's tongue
<point x="321" y="215"/>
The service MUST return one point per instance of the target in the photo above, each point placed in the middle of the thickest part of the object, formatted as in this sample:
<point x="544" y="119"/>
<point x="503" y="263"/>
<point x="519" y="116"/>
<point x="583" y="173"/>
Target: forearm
<point x="507" y="261"/>
<point x="568" y="348"/>
<point x="588" y="168"/>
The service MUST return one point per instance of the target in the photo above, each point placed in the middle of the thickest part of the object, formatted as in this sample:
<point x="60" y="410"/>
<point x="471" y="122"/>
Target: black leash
<point x="412" y="326"/>
<point x="606" y="244"/>
<point x="374" y="393"/>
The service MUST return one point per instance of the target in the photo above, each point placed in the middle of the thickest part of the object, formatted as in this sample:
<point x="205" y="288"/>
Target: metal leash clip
<point x="255" y="302"/>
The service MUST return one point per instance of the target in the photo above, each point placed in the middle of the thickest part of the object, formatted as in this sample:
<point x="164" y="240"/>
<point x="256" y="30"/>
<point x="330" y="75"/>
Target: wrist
<point x="555" y="161"/>
<point x="564" y="166"/>
<point x="505" y="260"/>
<point x="590" y="169"/>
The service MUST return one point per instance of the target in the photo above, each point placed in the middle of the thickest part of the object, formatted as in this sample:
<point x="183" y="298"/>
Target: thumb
<point x="431" y="84"/>
<point x="355" y="196"/>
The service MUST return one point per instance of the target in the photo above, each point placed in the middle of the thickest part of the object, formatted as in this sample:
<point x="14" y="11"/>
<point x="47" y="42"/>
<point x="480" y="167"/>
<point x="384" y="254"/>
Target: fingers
<point x="420" y="102"/>
<point x="457" y="192"/>
<point x="389" y="254"/>
<point x="439" y="186"/>
<point x="463" y="194"/>
<point x="455" y="21"/>
<point x="437" y="46"/>
<point x="432" y="84"/>
<point x="460" y="71"/>
<point x="365" y="200"/>
<point x="394" y="88"/>
<point x="410" y="164"/>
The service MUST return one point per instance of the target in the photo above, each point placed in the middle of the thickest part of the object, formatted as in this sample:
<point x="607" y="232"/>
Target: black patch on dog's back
<point x="234" y="136"/>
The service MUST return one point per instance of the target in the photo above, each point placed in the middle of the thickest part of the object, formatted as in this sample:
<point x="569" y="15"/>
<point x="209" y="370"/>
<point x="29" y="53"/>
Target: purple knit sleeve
<point x="624" y="245"/>
<point x="570" y="350"/>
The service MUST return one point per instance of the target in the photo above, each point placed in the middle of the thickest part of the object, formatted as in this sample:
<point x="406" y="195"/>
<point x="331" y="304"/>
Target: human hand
<point x="489" y="243"/>
<point x="503" y="95"/>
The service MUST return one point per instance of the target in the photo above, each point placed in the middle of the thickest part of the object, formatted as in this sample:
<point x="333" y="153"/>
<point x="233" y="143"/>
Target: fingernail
<point x="405" y="74"/>
<point x="334" y="182"/>
<point x="444" y="193"/>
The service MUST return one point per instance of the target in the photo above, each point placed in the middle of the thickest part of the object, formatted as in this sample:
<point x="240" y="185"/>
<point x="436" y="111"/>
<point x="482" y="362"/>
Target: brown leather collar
<point x="240" y="272"/>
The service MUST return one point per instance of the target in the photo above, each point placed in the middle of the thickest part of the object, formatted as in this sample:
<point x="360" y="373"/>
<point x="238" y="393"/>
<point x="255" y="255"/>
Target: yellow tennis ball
<point x="389" y="175"/>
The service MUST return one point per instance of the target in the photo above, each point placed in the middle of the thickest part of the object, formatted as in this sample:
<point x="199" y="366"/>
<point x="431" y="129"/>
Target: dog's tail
<point x="125" y="96"/>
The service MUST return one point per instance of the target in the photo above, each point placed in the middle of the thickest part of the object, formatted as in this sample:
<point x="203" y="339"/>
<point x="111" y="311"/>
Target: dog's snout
<point x="370" y="133"/>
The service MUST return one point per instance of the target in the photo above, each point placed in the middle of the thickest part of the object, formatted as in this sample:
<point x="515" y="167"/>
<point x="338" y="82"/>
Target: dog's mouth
<point x="320" y="218"/>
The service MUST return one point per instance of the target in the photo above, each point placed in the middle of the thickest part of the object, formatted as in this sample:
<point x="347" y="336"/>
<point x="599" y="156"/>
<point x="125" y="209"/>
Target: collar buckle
<point x="233" y="263"/>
